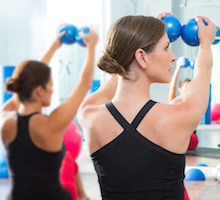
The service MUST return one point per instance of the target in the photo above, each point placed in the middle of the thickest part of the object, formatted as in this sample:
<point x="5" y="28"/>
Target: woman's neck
<point x="29" y="107"/>
<point x="135" y="89"/>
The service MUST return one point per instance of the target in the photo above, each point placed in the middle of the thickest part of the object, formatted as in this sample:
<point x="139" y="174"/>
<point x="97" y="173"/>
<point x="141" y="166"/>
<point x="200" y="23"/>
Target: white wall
<point x="22" y="32"/>
<point x="22" y="25"/>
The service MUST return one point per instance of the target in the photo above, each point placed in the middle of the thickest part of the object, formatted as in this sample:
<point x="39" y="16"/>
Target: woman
<point x="140" y="155"/>
<point x="181" y="88"/>
<point x="34" y="142"/>
<point x="182" y="84"/>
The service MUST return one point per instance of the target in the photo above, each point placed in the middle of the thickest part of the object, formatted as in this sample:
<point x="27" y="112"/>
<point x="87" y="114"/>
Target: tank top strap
<point x="30" y="115"/>
<point x="22" y="126"/>
<point x="34" y="113"/>
<point x="117" y="115"/>
<point x="144" y="110"/>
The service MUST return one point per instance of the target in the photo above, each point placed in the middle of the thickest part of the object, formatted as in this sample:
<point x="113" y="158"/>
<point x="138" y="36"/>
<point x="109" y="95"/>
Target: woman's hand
<point x="162" y="15"/>
<point x="91" y="38"/>
<point x="57" y="42"/>
<point x="180" y="62"/>
<point x="206" y="33"/>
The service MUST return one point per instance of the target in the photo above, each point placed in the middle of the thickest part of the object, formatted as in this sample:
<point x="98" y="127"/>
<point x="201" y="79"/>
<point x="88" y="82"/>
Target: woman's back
<point x="34" y="173"/>
<point x="132" y="167"/>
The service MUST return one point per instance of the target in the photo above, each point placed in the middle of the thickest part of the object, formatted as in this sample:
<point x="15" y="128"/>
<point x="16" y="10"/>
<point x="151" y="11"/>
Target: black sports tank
<point x="132" y="167"/>
<point x="34" y="173"/>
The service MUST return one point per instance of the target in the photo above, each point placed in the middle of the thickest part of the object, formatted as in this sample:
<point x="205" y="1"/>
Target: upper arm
<point x="65" y="113"/>
<point x="178" y="118"/>
<point x="104" y="94"/>
<point x="190" y="107"/>
<point x="89" y="103"/>
<point x="11" y="105"/>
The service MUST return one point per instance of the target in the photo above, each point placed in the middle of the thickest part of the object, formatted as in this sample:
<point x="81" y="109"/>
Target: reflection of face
<point x="160" y="61"/>
<point x="184" y="86"/>
<point x="47" y="93"/>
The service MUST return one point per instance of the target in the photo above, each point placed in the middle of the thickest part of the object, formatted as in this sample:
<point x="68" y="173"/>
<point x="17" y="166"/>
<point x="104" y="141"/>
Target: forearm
<point x="172" y="94"/>
<point x="104" y="94"/>
<point x="12" y="104"/>
<point x="49" y="54"/>
<point x="87" y="71"/>
<point x="172" y="91"/>
<point x="108" y="89"/>
<point x="204" y="62"/>
<point x="199" y="87"/>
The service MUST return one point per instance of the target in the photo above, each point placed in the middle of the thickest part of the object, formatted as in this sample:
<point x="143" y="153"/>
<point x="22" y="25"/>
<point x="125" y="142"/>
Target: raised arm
<point x="64" y="114"/>
<point x="56" y="44"/>
<point x="173" y="83"/>
<point x="12" y="104"/>
<point x="103" y="95"/>
<point x="195" y="97"/>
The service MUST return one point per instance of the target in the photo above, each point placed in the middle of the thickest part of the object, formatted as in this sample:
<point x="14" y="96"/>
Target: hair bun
<point x="12" y="85"/>
<point x="110" y="65"/>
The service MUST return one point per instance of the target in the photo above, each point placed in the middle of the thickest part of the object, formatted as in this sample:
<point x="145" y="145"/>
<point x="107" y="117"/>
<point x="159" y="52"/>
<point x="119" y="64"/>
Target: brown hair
<point x="124" y="37"/>
<point x="26" y="77"/>
<point x="185" y="80"/>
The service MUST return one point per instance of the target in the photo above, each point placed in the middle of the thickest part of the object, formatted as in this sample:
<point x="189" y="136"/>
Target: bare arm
<point x="52" y="49"/>
<point x="162" y="15"/>
<point x="173" y="83"/>
<point x="11" y="105"/>
<point x="69" y="108"/>
<point x="103" y="95"/>
<point x="195" y="97"/>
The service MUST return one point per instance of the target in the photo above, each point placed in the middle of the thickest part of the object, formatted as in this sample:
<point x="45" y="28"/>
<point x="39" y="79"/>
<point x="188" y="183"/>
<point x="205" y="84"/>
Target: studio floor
<point x="207" y="189"/>
<point x="197" y="190"/>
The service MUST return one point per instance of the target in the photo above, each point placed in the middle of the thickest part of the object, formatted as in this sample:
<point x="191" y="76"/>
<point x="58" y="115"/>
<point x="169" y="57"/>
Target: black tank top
<point x="34" y="173"/>
<point x="131" y="167"/>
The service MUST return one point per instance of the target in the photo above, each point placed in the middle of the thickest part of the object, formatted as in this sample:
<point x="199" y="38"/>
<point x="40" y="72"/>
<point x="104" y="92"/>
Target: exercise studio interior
<point x="75" y="32"/>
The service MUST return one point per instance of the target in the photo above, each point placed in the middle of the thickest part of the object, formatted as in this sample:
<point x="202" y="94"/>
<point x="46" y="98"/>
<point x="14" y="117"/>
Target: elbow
<point x="86" y="83"/>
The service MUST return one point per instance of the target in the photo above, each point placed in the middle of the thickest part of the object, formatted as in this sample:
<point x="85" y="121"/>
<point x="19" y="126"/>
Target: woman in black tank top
<point x="34" y="142"/>
<point x="137" y="145"/>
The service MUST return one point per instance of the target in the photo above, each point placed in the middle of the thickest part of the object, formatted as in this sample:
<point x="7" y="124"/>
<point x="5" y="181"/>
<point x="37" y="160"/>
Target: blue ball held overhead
<point x="73" y="34"/>
<point x="173" y="27"/>
<point x="189" y="32"/>
<point x="69" y="37"/>
<point x="78" y="37"/>
<point x="188" y="63"/>
<point x="194" y="175"/>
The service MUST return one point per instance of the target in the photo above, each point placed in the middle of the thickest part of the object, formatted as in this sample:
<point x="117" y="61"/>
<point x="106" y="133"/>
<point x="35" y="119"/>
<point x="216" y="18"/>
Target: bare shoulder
<point x="97" y="124"/>
<point x="171" y="125"/>
<point x="40" y="122"/>
<point x="87" y="114"/>
<point x="176" y="116"/>
<point x="43" y="128"/>
<point x="91" y="106"/>
<point x="8" y="124"/>
<point x="7" y="117"/>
